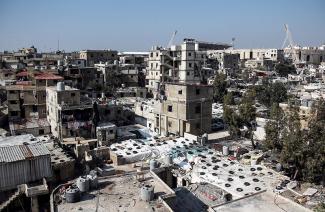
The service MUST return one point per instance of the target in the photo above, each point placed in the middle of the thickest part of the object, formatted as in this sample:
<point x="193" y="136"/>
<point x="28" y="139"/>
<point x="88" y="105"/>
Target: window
<point x="73" y="94"/>
<point x="11" y="92"/>
<point x="188" y="73"/>
<point x="111" y="131"/>
<point x="198" y="126"/>
<point x="156" y="65"/>
<point x="34" y="108"/>
<point x="197" y="91"/>
<point x="180" y="92"/>
<point x="13" y="113"/>
<point x="157" y="54"/>
<point x="169" y="124"/>
<point x="151" y="54"/>
<point x="189" y="54"/>
<point x="170" y="108"/>
<point x="190" y="65"/>
<point x="41" y="132"/>
<point x="118" y="111"/>
<point x="107" y="112"/>
<point x="113" y="55"/>
<point x="12" y="102"/>
<point x="198" y="109"/>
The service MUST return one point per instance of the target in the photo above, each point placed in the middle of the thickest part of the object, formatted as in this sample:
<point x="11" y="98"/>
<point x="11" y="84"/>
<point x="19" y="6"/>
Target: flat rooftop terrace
<point x="120" y="193"/>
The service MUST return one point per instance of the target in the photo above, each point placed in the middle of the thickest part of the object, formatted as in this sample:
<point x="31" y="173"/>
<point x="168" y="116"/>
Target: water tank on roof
<point x="225" y="150"/>
<point x="83" y="184"/>
<point x="153" y="165"/>
<point x="60" y="86"/>
<point x="147" y="193"/>
<point x="168" y="160"/>
<point x="72" y="195"/>
<point x="93" y="181"/>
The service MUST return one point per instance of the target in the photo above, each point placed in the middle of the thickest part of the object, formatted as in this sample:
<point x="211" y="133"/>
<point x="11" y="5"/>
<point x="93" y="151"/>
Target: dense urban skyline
<point x="137" y="25"/>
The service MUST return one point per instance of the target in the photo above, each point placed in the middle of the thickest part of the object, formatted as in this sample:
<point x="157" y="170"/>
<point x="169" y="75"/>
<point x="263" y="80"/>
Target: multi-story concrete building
<point x="186" y="108"/>
<point x="180" y="63"/>
<point x="68" y="113"/>
<point x="225" y="61"/>
<point x="96" y="56"/>
<point x="307" y="55"/>
<point x="84" y="78"/>
<point x="29" y="101"/>
<point x="254" y="54"/>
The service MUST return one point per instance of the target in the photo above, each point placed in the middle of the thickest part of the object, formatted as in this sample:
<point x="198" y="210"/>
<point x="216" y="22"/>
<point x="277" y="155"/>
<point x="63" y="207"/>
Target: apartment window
<point x="190" y="65"/>
<point x="156" y="65"/>
<point x="113" y="55"/>
<point x="197" y="91"/>
<point x="189" y="54"/>
<point x="157" y="54"/>
<point x="12" y="102"/>
<point x="157" y="73"/>
<point x="151" y="54"/>
<point x="34" y="108"/>
<point x="73" y="94"/>
<point x="169" y="124"/>
<point x="198" y="125"/>
<point x="111" y="131"/>
<point x="11" y="92"/>
<point x="198" y="109"/>
<point x="170" y="108"/>
<point x="180" y="92"/>
<point x="13" y="113"/>
<point x="188" y="73"/>
<point x="132" y="76"/>
<point x="41" y="132"/>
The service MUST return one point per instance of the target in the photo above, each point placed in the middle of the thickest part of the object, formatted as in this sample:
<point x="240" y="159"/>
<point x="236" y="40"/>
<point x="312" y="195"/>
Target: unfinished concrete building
<point x="185" y="108"/>
<point x="96" y="56"/>
<point x="84" y="78"/>
<point x="68" y="113"/>
<point x="179" y="63"/>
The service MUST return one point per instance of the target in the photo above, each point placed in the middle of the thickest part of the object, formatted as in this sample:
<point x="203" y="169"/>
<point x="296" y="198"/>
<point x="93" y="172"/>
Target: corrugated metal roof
<point x="22" y="152"/>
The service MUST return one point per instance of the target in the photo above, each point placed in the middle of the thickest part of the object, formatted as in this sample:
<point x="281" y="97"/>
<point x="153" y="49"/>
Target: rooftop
<point x="48" y="76"/>
<point x="22" y="152"/>
<point x="120" y="193"/>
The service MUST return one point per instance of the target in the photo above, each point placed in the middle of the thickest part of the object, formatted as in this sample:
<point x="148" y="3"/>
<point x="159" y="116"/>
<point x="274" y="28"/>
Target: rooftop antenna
<point x="233" y="42"/>
<point x="58" y="45"/>
<point x="171" y="41"/>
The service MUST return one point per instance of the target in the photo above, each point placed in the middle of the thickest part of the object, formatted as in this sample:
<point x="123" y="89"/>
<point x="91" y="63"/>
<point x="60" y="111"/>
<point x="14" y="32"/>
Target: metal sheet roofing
<point x="22" y="152"/>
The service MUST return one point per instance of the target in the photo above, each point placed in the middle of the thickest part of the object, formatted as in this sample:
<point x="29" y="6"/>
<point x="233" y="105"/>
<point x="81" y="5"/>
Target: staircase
<point x="11" y="199"/>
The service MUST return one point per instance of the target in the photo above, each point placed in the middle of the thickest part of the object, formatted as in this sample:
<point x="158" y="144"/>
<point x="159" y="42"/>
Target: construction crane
<point x="291" y="46"/>
<point x="171" y="41"/>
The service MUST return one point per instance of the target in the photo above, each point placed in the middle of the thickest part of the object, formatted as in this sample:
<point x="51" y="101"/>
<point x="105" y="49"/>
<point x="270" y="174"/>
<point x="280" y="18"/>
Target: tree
<point x="220" y="87"/>
<point x="292" y="154"/>
<point x="232" y="119"/>
<point x="247" y="113"/>
<point x="315" y="139"/>
<point x="228" y="99"/>
<point x="269" y="93"/>
<point x="284" y="69"/>
<point x="273" y="129"/>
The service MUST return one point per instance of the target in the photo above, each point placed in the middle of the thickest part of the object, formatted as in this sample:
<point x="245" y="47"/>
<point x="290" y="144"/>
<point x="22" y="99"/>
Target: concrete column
<point x="34" y="204"/>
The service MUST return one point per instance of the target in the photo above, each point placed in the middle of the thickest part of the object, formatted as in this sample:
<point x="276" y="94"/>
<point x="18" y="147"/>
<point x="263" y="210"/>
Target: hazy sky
<point x="131" y="25"/>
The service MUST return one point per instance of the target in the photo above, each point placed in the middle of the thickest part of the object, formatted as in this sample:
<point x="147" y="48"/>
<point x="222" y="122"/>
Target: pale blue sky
<point x="130" y="25"/>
